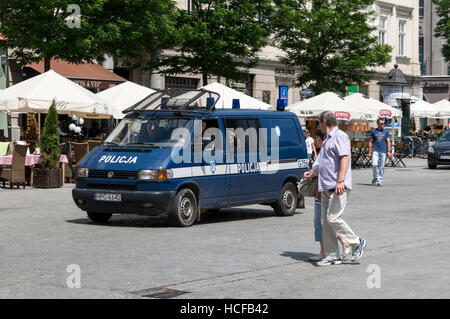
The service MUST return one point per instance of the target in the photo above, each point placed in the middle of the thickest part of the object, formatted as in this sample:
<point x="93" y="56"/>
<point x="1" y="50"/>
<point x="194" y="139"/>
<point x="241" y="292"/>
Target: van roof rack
<point x="177" y="100"/>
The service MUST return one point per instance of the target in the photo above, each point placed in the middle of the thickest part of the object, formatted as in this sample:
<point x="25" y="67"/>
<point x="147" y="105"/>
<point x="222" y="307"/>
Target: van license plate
<point x="445" y="156"/>
<point x="107" y="197"/>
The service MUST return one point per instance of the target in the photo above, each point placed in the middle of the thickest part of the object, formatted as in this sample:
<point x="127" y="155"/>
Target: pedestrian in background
<point x="335" y="183"/>
<point x="317" y="206"/>
<point x="310" y="148"/>
<point x="380" y="142"/>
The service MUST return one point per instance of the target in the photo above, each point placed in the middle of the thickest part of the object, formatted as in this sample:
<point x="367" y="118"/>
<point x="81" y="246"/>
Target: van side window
<point x="205" y="125"/>
<point x="287" y="130"/>
<point x="245" y="125"/>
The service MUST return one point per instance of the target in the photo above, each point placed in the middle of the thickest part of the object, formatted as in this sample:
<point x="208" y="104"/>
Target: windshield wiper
<point x="110" y="143"/>
<point x="145" y="144"/>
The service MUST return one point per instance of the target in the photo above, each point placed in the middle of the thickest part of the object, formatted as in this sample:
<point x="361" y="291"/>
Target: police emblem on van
<point x="110" y="174"/>
<point x="212" y="166"/>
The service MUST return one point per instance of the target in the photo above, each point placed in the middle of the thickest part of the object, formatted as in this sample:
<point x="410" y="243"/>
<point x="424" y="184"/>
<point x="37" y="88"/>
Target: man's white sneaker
<point x="327" y="261"/>
<point x="358" y="251"/>
<point x="316" y="258"/>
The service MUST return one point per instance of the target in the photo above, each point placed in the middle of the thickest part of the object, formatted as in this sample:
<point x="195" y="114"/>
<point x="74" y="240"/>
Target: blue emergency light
<point x="209" y="103"/>
<point x="281" y="104"/>
<point x="236" y="104"/>
<point x="164" y="101"/>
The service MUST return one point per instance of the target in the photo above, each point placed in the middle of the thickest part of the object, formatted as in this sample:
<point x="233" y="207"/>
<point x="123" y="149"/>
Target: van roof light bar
<point x="173" y="99"/>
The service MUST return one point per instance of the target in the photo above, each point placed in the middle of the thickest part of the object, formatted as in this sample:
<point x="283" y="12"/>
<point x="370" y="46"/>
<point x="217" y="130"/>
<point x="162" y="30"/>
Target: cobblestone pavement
<point x="243" y="252"/>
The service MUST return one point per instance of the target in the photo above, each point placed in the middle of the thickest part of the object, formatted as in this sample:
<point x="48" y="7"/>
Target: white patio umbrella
<point x="122" y="96"/>
<point x="442" y="106"/>
<point x="6" y="100"/>
<point x="421" y="108"/>
<point x="380" y="108"/>
<point x="228" y="94"/>
<point x="329" y="101"/>
<point x="36" y="95"/>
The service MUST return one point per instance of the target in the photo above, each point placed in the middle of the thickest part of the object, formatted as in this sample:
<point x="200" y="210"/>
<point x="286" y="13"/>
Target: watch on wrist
<point x="340" y="180"/>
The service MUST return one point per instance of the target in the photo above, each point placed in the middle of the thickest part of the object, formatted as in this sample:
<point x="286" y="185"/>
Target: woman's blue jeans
<point x="317" y="220"/>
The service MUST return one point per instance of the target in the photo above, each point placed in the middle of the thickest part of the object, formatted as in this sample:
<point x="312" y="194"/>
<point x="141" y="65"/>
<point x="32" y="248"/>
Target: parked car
<point x="439" y="151"/>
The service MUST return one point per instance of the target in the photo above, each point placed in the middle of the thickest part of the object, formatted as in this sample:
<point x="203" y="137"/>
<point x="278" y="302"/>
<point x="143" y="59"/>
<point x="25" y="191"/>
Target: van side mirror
<point x="104" y="136"/>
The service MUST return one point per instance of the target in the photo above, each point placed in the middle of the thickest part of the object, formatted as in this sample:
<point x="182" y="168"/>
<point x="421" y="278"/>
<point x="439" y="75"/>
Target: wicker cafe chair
<point x="80" y="150"/>
<point x="93" y="144"/>
<point x="15" y="174"/>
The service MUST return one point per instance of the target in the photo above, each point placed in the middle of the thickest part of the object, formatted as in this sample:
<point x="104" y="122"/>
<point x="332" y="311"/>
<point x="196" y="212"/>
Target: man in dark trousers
<point x="380" y="143"/>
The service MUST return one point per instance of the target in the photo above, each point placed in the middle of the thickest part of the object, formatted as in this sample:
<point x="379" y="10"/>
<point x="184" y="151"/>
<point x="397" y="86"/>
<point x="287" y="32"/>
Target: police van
<point x="176" y="154"/>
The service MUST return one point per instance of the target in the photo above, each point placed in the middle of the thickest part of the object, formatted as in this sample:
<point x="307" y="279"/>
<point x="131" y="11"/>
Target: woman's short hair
<point x="320" y="133"/>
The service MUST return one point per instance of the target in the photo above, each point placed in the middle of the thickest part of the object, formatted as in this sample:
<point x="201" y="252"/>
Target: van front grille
<point x="112" y="174"/>
<point x="111" y="187"/>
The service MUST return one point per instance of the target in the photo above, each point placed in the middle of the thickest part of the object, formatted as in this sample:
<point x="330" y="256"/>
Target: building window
<point x="364" y="89"/>
<point x="189" y="5"/>
<point x="421" y="56"/>
<point x="382" y="30"/>
<point x="173" y="82"/>
<point x="421" y="8"/>
<point x="402" y="38"/>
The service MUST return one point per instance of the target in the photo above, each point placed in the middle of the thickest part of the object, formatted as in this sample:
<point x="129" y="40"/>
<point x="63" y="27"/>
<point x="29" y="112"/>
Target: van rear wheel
<point x="184" y="209"/>
<point x="99" y="217"/>
<point x="287" y="202"/>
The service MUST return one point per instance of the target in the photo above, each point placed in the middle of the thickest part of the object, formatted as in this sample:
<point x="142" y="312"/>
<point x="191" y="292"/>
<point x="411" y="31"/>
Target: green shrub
<point x="50" y="151"/>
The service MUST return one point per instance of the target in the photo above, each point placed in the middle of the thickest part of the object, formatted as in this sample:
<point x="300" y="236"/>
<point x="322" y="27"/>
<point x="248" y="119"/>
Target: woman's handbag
<point x="308" y="188"/>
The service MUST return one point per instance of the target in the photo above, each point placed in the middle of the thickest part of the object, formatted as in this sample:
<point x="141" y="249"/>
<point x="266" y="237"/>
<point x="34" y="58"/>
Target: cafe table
<point x="31" y="160"/>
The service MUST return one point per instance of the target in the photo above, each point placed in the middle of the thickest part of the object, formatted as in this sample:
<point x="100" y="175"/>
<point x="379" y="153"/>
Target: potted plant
<point x="49" y="174"/>
<point x="32" y="132"/>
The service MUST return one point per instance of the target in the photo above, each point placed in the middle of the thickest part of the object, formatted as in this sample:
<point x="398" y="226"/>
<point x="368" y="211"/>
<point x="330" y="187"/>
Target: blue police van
<point x="176" y="154"/>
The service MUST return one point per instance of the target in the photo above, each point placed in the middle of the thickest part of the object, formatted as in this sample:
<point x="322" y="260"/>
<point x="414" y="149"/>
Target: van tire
<point x="99" y="217"/>
<point x="287" y="202"/>
<point x="184" y="208"/>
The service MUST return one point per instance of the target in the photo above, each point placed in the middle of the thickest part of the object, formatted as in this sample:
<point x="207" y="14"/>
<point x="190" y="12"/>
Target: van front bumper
<point x="150" y="203"/>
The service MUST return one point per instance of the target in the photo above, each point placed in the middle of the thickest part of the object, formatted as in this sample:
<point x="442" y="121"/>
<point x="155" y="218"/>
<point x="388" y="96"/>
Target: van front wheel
<point x="184" y="208"/>
<point x="287" y="203"/>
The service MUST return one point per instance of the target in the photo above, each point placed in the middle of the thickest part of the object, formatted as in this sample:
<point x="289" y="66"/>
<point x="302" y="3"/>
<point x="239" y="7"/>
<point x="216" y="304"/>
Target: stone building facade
<point x="398" y="26"/>
<point x="434" y="69"/>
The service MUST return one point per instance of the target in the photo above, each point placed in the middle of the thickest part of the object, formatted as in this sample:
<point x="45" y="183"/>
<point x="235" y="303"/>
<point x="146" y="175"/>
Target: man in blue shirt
<point x="381" y="144"/>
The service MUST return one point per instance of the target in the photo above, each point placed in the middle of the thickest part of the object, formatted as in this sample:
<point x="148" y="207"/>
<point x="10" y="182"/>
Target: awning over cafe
<point x="88" y="75"/>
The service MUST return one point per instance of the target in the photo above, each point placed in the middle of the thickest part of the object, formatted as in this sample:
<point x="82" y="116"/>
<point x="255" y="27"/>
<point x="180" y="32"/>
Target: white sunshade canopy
<point x="421" y="108"/>
<point x="329" y="101"/>
<point x="36" y="95"/>
<point x="381" y="109"/>
<point x="442" y="106"/>
<point x="228" y="94"/>
<point x="6" y="100"/>
<point x="122" y="96"/>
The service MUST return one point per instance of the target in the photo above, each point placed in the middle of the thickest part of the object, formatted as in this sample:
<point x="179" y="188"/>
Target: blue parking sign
<point x="283" y="93"/>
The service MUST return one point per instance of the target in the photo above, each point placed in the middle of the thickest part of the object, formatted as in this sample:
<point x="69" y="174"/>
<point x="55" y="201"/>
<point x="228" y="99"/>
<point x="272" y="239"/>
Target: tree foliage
<point x="53" y="29"/>
<point x="50" y="139"/>
<point x="331" y="41"/>
<point x="442" y="30"/>
<point x="220" y="37"/>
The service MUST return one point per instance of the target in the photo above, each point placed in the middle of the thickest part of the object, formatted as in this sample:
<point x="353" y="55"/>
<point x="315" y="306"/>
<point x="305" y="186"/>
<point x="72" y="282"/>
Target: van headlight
<point x="431" y="148"/>
<point x="82" y="172"/>
<point x="155" y="174"/>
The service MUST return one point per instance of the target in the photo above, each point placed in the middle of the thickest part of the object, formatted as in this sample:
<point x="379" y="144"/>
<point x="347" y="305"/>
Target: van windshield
<point x="149" y="131"/>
